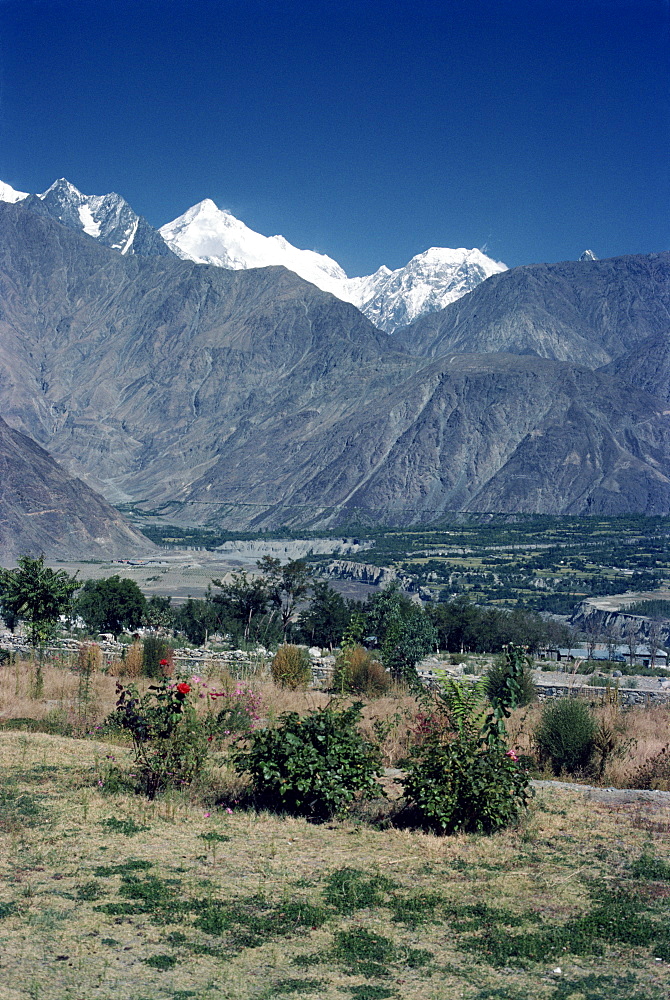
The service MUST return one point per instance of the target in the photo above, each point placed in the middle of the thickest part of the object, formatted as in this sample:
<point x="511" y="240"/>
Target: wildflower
<point x="511" y="755"/>
<point x="207" y="815"/>
<point x="229" y="810"/>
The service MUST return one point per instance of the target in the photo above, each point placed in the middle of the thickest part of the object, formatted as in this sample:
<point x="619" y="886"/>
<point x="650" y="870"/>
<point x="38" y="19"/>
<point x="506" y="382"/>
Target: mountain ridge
<point x="252" y="398"/>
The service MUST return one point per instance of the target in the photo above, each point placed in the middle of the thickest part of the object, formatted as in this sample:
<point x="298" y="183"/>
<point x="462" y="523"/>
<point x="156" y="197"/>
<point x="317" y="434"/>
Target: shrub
<point x="496" y="677"/>
<point x="237" y="710"/>
<point x="312" y="766"/>
<point x="565" y="737"/>
<point x="356" y="670"/>
<point x="158" y="657"/>
<point x="461" y="776"/>
<point x="169" y="742"/>
<point x="291" y="667"/>
<point x="654" y="773"/>
<point x="89" y="657"/>
<point x="459" y="784"/>
<point x="132" y="661"/>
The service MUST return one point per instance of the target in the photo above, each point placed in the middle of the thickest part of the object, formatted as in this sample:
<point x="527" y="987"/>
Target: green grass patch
<point x="128" y="827"/>
<point x="649" y="867"/>
<point x="348" y="890"/>
<point x="161" y="962"/>
<point x="131" y="865"/>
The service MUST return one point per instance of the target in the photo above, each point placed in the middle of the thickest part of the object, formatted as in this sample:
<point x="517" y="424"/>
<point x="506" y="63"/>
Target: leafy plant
<point x="312" y="766"/>
<point x="169" y="741"/>
<point x="461" y="776"/>
<point x="291" y="667"/>
<point x="37" y="595"/>
<point x="565" y="737"/>
<point x="497" y="677"/>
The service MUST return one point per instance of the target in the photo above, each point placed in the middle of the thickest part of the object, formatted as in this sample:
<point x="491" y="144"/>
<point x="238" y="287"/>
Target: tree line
<point x="278" y="603"/>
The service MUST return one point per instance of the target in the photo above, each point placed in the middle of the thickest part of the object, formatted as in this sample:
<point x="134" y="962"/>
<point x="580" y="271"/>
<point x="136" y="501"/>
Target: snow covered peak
<point x="210" y="235"/>
<point x="8" y="194"/>
<point x="107" y="218"/>
<point x="429" y="282"/>
<point x="588" y="255"/>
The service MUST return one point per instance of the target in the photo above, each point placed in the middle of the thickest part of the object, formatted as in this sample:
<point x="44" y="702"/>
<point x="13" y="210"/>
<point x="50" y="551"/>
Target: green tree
<point x="323" y="623"/>
<point x="37" y="595"/>
<point x="404" y="631"/>
<point x="159" y="613"/>
<point x="111" y="605"/>
<point x="286" y="585"/>
<point x="242" y="607"/>
<point x="197" y="618"/>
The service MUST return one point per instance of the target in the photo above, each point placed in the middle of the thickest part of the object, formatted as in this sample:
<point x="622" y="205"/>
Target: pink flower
<point x="229" y="810"/>
<point x="207" y="815"/>
<point x="511" y="755"/>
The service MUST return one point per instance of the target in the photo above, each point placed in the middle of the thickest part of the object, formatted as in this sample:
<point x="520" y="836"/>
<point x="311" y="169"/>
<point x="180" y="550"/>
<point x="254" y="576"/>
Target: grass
<point x="340" y="910"/>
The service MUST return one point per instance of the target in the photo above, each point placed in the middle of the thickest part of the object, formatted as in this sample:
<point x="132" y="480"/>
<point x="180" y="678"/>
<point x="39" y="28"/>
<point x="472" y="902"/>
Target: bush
<point x="356" y="670"/>
<point x="565" y="737"/>
<point x="132" y="661"/>
<point x="496" y="677"/>
<point x="461" y="776"/>
<point x="291" y="667"/>
<point x="654" y="773"/>
<point x="313" y="766"/>
<point x="169" y="742"/>
<point x="238" y="710"/>
<point x="158" y="657"/>
<point x="458" y="784"/>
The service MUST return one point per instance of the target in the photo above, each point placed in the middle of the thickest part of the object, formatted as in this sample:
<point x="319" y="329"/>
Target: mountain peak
<point x="588" y="255"/>
<point x="8" y="194"/>
<point x="431" y="280"/>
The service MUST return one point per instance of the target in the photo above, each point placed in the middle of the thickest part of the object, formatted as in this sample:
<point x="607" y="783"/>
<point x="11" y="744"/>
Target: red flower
<point x="183" y="688"/>
<point x="165" y="663"/>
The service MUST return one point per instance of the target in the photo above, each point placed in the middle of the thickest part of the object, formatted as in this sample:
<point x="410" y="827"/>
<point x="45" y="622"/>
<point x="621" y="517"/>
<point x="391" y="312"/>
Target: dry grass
<point x="391" y="718"/>
<point x="57" y="944"/>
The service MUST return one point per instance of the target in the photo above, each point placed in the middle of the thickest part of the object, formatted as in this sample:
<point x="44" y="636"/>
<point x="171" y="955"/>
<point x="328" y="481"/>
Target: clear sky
<point x="366" y="130"/>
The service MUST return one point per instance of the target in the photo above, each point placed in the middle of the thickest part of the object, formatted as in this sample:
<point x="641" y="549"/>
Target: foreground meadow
<point x="105" y="894"/>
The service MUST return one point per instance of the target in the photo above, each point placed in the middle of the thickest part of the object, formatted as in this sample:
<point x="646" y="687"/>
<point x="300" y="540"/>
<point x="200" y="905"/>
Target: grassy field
<point x="104" y="894"/>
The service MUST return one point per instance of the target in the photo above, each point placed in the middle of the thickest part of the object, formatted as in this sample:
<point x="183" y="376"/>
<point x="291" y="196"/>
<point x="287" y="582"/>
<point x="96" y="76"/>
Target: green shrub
<point x="458" y="784"/>
<point x="461" y="776"/>
<point x="312" y="766"/>
<point x="169" y="741"/>
<point x="496" y="678"/>
<point x="158" y="657"/>
<point x="291" y="667"/>
<point x="357" y="671"/>
<point x="565" y="737"/>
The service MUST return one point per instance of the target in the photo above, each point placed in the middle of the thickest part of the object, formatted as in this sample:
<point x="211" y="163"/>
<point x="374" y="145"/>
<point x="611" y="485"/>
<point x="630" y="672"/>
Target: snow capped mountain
<point x="588" y="255"/>
<point x="431" y="280"/>
<point x="8" y="193"/>
<point x="106" y="217"/>
<point x="390" y="299"/>
<point x="209" y="235"/>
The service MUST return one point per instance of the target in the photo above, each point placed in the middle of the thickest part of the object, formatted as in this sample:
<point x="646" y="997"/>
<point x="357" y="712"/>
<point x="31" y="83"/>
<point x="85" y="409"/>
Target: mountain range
<point x="207" y="235"/>
<point x="252" y="399"/>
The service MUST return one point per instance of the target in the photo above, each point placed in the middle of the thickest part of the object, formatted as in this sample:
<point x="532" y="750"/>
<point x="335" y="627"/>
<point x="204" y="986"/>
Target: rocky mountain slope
<point x="647" y="365"/>
<point x="43" y="510"/>
<point x="250" y="398"/>
<point x="588" y="312"/>
<point x="108" y="217"/>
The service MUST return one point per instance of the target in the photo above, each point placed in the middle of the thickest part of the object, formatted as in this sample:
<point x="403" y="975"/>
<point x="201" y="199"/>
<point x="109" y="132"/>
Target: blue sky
<point x="368" y="131"/>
